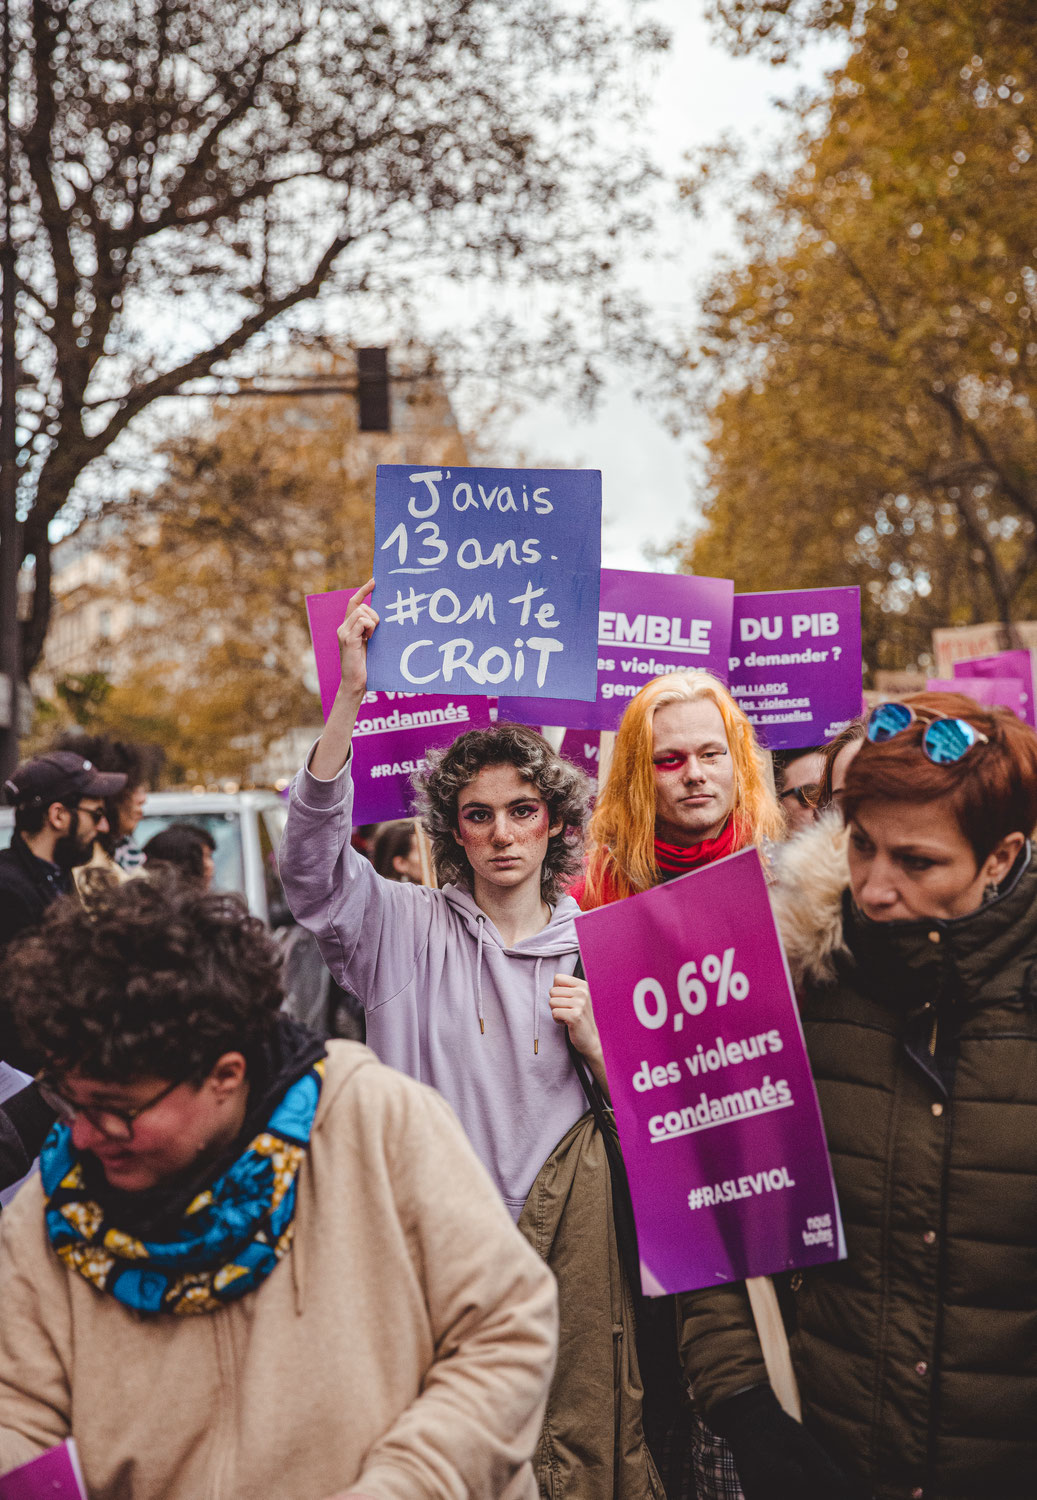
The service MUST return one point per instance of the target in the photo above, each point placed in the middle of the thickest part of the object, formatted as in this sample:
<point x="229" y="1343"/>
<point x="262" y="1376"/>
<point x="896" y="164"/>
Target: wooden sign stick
<point x="606" y="744"/>
<point x="770" y="1327"/>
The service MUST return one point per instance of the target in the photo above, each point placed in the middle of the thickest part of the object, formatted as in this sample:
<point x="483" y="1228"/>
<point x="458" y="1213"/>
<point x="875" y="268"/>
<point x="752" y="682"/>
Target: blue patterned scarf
<point x="231" y="1235"/>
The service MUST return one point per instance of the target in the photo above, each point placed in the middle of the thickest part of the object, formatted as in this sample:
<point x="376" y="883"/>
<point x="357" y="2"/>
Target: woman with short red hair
<point x="912" y="937"/>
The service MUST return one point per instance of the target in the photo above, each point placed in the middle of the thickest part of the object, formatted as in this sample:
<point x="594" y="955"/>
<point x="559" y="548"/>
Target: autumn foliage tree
<point x="264" y="499"/>
<point x="877" y="414"/>
<point x="190" y="174"/>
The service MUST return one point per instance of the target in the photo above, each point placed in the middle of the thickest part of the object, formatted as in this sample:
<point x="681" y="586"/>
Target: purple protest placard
<point x="580" y="747"/>
<point x="1004" y="664"/>
<point x="648" y="624"/>
<point x="716" y="1108"/>
<point x="393" y="730"/>
<point x="989" y="692"/>
<point x="55" y="1475"/>
<point x="796" y="663"/>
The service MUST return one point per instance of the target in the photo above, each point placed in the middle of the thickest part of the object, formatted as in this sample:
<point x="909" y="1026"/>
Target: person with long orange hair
<point x="687" y="786"/>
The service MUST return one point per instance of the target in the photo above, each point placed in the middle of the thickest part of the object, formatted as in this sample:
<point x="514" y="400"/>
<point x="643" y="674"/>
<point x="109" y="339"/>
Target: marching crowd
<point x="257" y="1265"/>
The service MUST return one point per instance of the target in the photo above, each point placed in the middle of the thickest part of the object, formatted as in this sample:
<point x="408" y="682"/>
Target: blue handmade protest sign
<point x="394" y="731"/>
<point x="486" y="580"/>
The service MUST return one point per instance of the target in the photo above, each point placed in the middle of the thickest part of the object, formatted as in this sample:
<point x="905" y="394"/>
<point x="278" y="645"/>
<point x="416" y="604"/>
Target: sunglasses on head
<point x="944" y="742"/>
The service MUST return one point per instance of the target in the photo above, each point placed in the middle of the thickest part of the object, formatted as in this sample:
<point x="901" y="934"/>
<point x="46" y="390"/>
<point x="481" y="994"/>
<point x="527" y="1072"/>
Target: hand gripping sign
<point x="716" y="1108"/>
<point x="796" y="664"/>
<point x="486" y="581"/>
<point x="393" y="730"/>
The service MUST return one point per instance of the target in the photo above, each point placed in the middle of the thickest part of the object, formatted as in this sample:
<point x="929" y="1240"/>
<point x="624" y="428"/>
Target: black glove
<point x="775" y="1456"/>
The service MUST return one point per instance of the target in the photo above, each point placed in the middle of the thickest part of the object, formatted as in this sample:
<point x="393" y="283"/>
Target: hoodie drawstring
<point x="478" y="975"/>
<point x="536" y="1007"/>
<point x="481" y="920"/>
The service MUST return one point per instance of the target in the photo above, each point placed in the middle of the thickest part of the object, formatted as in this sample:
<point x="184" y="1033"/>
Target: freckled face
<point x="503" y="826"/>
<point x="694" y="772"/>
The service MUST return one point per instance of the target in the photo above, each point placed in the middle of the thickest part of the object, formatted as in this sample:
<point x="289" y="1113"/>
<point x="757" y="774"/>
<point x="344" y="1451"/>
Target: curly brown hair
<point x="564" y="788"/>
<point x="155" y="979"/>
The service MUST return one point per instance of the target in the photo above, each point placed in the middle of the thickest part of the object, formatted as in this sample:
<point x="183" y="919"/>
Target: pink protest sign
<point x="55" y="1475"/>
<point x="990" y="692"/>
<point x="1004" y="664"/>
<point x="393" y="730"/>
<point x="716" y="1108"/>
<point x="648" y="624"/>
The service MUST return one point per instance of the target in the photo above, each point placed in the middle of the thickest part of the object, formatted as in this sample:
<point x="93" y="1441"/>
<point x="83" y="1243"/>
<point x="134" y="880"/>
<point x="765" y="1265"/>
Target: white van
<point x="246" y="828"/>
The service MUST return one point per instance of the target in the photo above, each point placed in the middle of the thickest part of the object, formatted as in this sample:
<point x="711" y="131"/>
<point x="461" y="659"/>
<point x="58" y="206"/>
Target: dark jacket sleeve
<point x="11" y="1050"/>
<point x="16" y="913"/>
<point x="24" y="1123"/>
<point x="719" y="1349"/>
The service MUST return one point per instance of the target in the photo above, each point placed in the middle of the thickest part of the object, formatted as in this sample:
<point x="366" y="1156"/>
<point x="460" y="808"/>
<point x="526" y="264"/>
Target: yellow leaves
<point x="877" y="340"/>
<point x="264" y="501"/>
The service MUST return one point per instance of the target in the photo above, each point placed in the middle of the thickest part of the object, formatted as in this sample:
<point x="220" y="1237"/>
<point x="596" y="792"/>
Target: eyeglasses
<point x="97" y="813"/>
<point x="116" y="1124"/>
<point x="944" y="741"/>
<point x="805" y="795"/>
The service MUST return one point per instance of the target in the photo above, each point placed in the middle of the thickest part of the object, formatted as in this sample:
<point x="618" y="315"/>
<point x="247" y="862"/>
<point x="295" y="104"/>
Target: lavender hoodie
<point x="428" y="966"/>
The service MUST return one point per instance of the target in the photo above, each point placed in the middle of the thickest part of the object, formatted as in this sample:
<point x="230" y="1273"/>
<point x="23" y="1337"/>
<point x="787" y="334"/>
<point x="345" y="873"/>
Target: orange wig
<point x="622" y="828"/>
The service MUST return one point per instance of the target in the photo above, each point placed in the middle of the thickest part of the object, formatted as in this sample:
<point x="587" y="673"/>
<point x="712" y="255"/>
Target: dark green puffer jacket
<point x="917" y="1355"/>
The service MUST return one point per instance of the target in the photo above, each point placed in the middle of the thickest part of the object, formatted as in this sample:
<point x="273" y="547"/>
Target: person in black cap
<point x="59" y="813"/>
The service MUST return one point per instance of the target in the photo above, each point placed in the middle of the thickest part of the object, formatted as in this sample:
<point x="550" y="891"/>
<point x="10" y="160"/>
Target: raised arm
<point x="369" y="930"/>
<point x="332" y="749"/>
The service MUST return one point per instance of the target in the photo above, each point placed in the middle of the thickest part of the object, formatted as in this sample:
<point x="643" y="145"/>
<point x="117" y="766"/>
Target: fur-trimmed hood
<point x="811" y="874"/>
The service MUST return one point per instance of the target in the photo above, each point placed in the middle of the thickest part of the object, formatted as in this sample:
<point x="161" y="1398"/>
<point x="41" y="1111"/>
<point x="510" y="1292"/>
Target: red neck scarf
<point x="674" y="859"/>
<point x="671" y="860"/>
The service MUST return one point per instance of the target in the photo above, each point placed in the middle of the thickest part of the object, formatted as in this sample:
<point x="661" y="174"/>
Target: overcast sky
<point x="648" y="476"/>
<point x="697" y="93"/>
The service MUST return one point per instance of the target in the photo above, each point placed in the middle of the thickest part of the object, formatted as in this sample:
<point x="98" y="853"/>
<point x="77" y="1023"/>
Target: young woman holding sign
<point x="471" y="988"/>
<point x="912" y="937"/>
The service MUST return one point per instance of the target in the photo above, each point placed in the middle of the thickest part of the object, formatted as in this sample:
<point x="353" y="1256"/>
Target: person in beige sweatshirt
<point x="252" y="1267"/>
